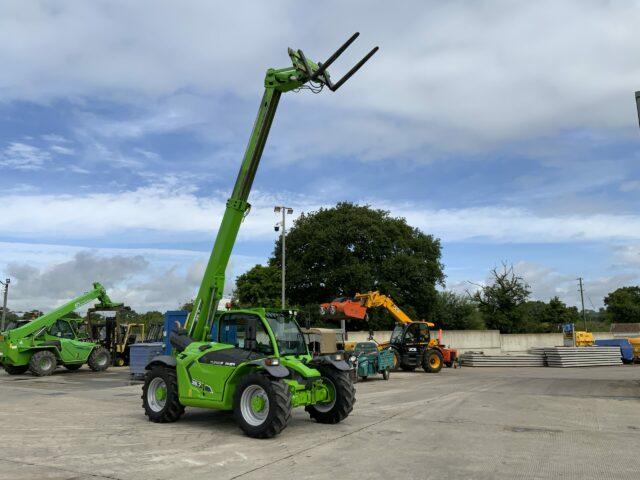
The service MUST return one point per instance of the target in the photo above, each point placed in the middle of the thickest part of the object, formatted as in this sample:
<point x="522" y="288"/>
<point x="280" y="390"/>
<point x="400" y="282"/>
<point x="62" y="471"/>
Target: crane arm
<point x="277" y="81"/>
<point x="46" y="320"/>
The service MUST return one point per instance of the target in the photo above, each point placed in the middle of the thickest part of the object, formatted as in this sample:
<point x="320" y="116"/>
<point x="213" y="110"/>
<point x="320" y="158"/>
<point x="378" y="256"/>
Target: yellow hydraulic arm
<point x="376" y="299"/>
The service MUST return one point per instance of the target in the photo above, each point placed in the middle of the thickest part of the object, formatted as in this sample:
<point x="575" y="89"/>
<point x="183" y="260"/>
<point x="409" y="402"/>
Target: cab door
<point x="241" y="337"/>
<point x="412" y="345"/>
<point x="62" y="335"/>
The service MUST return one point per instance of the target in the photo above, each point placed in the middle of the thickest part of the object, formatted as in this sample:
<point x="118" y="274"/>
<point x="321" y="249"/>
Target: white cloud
<point x="22" y="156"/>
<point x="45" y="276"/>
<point x="173" y="213"/>
<point x="449" y="76"/>
<point x="547" y="282"/>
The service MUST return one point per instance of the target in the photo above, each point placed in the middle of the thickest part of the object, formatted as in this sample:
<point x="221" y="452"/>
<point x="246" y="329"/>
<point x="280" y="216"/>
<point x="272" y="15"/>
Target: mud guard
<point x="277" y="371"/>
<point x="167" y="360"/>
<point x="330" y="360"/>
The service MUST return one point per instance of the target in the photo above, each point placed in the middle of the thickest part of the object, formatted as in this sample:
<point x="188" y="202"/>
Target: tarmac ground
<point x="469" y="423"/>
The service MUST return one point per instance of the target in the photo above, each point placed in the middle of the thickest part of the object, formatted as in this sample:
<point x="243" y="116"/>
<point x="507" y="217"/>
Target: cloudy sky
<point x="506" y="129"/>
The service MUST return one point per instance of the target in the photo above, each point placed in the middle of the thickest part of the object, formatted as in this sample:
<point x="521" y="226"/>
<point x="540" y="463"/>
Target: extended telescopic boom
<point x="43" y="321"/>
<point x="276" y="82"/>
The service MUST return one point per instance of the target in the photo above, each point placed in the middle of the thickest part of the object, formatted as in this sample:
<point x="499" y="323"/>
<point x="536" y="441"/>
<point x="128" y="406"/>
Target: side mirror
<point x="250" y="342"/>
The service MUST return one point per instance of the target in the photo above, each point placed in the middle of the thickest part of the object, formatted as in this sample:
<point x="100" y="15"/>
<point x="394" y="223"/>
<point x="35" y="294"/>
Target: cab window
<point x="233" y="331"/>
<point x="62" y="329"/>
<point x="424" y="333"/>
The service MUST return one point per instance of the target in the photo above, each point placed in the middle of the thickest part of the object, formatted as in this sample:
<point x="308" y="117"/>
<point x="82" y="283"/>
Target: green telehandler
<point x="254" y="362"/>
<point x="52" y="339"/>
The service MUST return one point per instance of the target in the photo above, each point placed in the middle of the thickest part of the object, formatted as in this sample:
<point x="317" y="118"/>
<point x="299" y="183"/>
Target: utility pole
<point x="4" y="303"/>
<point x="584" y="317"/>
<point x="283" y="224"/>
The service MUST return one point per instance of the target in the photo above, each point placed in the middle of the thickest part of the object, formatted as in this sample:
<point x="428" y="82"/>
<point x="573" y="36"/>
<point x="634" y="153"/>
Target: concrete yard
<point x="504" y="423"/>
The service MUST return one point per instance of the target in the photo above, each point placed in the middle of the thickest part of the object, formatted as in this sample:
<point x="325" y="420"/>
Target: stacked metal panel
<point x="479" y="359"/>
<point x="582" y="356"/>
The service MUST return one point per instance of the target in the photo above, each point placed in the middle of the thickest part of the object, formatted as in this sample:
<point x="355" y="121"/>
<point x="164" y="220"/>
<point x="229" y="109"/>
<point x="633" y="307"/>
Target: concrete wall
<point x="488" y="341"/>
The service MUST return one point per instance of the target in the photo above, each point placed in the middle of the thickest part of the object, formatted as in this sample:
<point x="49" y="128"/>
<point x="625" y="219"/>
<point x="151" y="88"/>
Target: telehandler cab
<point x="51" y="340"/>
<point x="255" y="361"/>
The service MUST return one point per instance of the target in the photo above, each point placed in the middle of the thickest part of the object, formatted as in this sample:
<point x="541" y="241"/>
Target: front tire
<point x="160" y="395"/>
<point x="43" y="363"/>
<point x="385" y="374"/>
<point x="344" y="396"/>
<point x="99" y="359"/>
<point x="432" y="361"/>
<point x="16" y="369"/>
<point x="261" y="406"/>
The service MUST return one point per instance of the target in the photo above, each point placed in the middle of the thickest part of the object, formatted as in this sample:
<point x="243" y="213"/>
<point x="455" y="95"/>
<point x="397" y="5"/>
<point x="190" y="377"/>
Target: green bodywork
<point x="204" y="384"/>
<point x="213" y="385"/>
<point x="18" y="345"/>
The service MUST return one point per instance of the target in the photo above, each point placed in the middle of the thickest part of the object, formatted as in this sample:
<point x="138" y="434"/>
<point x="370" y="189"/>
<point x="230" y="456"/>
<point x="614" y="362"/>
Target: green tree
<point x="623" y="305"/>
<point x="500" y="302"/>
<point x="259" y="286"/>
<point x="456" y="312"/>
<point x="350" y="248"/>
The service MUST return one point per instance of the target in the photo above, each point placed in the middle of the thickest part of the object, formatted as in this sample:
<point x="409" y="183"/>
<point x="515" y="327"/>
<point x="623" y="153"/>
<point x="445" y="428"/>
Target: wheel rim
<point x="157" y="394"/>
<point x="434" y="361"/>
<point x="46" y="363"/>
<point x="254" y="405"/>
<point x="325" y="407"/>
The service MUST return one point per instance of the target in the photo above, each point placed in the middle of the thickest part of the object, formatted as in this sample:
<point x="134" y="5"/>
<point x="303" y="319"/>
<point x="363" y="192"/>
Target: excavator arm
<point x="44" y="321"/>
<point x="302" y="74"/>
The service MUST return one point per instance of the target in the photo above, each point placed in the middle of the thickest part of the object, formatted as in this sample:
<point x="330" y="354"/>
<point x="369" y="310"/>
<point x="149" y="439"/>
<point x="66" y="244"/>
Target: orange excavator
<point x="410" y="340"/>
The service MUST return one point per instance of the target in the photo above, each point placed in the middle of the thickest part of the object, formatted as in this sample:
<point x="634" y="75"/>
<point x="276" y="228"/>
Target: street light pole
<point x="4" y="303"/>
<point x="584" y="317"/>
<point x="283" y="224"/>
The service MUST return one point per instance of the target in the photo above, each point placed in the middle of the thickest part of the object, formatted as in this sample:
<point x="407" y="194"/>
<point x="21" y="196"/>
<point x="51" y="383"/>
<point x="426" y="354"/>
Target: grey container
<point x="140" y="354"/>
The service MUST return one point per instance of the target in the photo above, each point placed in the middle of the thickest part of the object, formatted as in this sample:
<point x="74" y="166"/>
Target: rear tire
<point x="43" y="363"/>
<point x="73" y="367"/>
<point x="385" y="374"/>
<point x="99" y="360"/>
<point x="160" y="395"/>
<point x="261" y="406"/>
<point x="345" y="397"/>
<point x="432" y="361"/>
<point x="16" y="369"/>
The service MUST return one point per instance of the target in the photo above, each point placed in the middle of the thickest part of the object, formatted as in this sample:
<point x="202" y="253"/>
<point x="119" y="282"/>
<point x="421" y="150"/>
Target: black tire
<point x="385" y="374"/>
<point x="408" y="368"/>
<point x="345" y="397"/>
<point x="73" y="366"/>
<point x="432" y="361"/>
<point x="166" y="410"/>
<point x="16" y="369"/>
<point x="99" y="359"/>
<point x="43" y="363"/>
<point x="364" y="377"/>
<point x="261" y="423"/>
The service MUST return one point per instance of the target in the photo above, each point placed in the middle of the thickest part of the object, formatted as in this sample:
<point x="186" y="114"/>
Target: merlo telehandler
<point x="253" y="362"/>
<point x="51" y="340"/>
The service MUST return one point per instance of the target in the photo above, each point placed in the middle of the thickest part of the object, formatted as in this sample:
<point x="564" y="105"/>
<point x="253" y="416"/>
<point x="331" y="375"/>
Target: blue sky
<point x="508" y="130"/>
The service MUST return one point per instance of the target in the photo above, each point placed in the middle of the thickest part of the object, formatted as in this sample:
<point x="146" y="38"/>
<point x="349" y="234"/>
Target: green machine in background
<point x="51" y="340"/>
<point x="254" y="362"/>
